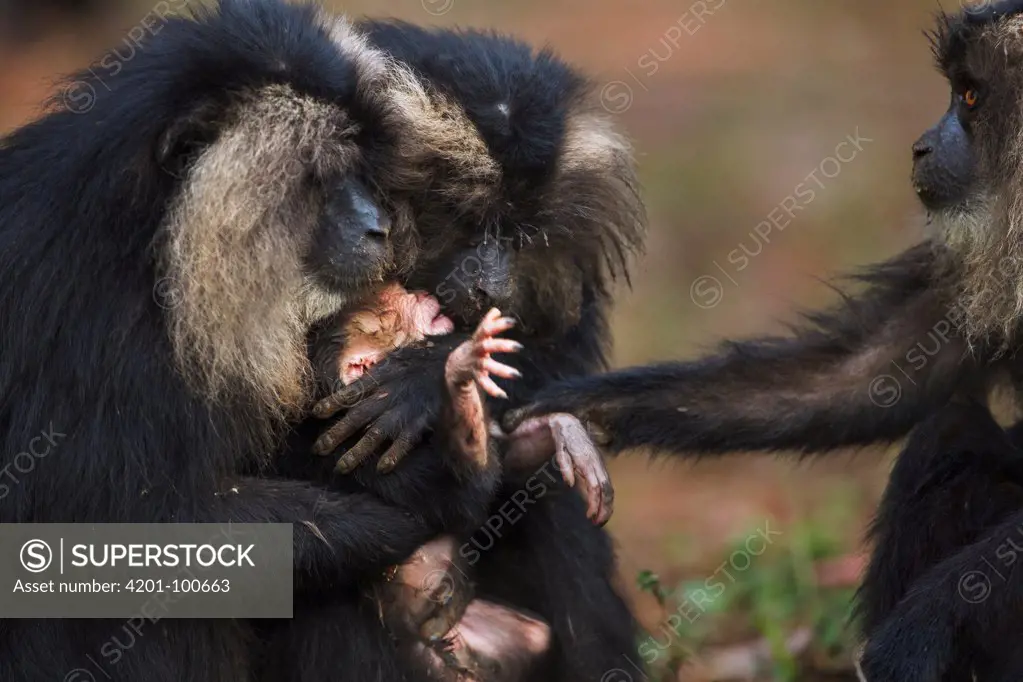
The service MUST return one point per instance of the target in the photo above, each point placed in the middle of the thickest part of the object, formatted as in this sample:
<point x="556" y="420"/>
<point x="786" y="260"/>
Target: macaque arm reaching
<point x="863" y="373"/>
<point x="464" y="423"/>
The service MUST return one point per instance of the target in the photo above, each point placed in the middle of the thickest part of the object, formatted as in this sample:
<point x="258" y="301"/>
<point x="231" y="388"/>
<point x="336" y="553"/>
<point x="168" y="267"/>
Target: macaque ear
<point x="185" y="139"/>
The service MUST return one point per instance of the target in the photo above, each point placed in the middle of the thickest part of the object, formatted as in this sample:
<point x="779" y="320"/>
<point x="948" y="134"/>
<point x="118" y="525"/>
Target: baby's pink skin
<point x="467" y="372"/>
<point x="411" y="317"/>
<point x="424" y="310"/>
<point x="403" y="317"/>
<point x="492" y="643"/>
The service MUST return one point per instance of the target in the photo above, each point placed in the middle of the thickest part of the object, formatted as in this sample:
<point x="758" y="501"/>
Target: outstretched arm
<point x="864" y="372"/>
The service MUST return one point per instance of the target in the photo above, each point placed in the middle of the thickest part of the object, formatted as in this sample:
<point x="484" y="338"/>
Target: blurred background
<point x="774" y="147"/>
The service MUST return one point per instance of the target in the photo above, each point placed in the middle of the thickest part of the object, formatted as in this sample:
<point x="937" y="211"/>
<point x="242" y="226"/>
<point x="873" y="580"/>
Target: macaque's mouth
<point x="441" y="324"/>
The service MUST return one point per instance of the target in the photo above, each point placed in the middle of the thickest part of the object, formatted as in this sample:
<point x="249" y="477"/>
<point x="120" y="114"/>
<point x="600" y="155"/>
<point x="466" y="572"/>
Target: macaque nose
<point x="496" y="289"/>
<point x="379" y="228"/>
<point x="921" y="148"/>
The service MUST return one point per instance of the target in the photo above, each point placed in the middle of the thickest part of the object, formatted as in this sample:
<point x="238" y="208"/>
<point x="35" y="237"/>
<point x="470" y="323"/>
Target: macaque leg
<point x="580" y="462"/>
<point x="467" y="372"/>
<point x="463" y="638"/>
<point x="492" y="643"/>
<point x="429" y="593"/>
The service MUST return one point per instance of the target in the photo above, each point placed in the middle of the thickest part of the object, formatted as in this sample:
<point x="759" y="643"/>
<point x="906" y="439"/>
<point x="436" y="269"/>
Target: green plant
<point x="765" y="595"/>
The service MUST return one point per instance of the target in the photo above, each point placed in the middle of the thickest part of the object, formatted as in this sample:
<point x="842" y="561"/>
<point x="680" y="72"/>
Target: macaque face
<point x="397" y="318"/>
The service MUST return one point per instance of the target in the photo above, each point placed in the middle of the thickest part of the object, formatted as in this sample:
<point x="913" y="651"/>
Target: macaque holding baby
<point x="490" y="642"/>
<point x="398" y="318"/>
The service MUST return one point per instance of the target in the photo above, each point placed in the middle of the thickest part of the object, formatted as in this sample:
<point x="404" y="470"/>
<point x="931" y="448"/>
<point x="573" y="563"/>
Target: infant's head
<point x="394" y="319"/>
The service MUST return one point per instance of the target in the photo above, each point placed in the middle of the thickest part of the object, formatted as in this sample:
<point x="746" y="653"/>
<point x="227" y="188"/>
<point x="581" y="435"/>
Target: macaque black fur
<point x="87" y="347"/>
<point x="550" y="234"/>
<point x="958" y="477"/>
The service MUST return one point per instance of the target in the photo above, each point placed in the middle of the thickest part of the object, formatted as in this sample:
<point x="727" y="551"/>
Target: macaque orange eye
<point x="971" y="97"/>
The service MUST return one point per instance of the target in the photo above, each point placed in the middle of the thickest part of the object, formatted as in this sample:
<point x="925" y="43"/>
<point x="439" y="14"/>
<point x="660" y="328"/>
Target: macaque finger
<point x="500" y="369"/>
<point x="495" y="327"/>
<point x="607" y="506"/>
<point x="357" y="418"/>
<point x="571" y="437"/>
<point x="497" y="346"/>
<point x="599" y="497"/>
<point x="347" y="397"/>
<point x="593" y="480"/>
<point x="490" y="318"/>
<point x="401" y="446"/>
<point x="490" y="388"/>
<point x="592" y="496"/>
<point x="563" y="458"/>
<point x="361" y="451"/>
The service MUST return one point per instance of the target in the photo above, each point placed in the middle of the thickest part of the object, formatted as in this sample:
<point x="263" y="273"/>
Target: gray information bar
<point x="147" y="570"/>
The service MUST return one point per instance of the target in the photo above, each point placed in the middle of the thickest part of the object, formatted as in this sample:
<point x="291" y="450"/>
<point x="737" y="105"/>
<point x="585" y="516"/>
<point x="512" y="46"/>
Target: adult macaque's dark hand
<point x="396" y="404"/>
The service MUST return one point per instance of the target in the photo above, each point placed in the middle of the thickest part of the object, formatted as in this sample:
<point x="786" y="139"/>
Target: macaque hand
<point x="395" y="405"/>
<point x="578" y="458"/>
<point x="472" y="361"/>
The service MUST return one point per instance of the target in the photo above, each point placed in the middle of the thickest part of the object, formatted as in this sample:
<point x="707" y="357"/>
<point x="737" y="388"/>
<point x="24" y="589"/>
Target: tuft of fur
<point x="236" y="235"/>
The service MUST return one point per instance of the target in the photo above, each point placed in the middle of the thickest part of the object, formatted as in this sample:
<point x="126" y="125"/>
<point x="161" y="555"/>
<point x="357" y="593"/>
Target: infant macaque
<point x="490" y="642"/>
<point x="398" y="318"/>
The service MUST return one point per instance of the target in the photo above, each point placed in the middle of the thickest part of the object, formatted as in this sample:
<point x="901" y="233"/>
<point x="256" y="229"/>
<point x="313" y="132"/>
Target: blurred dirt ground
<point x="731" y="104"/>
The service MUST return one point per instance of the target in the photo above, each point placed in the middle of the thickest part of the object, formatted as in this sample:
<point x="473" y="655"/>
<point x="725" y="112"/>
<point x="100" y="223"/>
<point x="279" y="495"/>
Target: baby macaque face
<point x="397" y="318"/>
